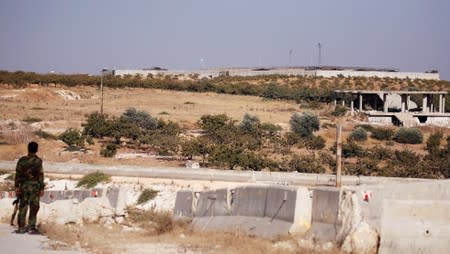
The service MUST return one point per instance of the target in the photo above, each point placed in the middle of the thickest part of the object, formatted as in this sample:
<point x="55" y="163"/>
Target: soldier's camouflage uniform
<point x="30" y="181"/>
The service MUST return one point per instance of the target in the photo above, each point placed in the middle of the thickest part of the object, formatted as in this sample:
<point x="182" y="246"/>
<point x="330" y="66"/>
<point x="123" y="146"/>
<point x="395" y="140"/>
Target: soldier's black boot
<point x="33" y="231"/>
<point x="21" y="230"/>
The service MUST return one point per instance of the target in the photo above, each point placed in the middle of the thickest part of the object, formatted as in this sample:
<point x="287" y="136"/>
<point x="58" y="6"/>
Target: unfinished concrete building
<point x="404" y="108"/>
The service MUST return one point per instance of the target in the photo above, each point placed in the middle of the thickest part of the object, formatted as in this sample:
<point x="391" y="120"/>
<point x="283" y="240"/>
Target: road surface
<point x="12" y="243"/>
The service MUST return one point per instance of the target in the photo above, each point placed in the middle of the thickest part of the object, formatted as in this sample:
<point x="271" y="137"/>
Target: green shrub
<point x="366" y="127"/>
<point x="146" y="195"/>
<point x="434" y="142"/>
<point x="304" y="125"/>
<point x="109" y="150"/>
<point x="408" y="136"/>
<point x="73" y="138"/>
<point x="92" y="179"/>
<point x="315" y="143"/>
<point x="359" y="134"/>
<point x="96" y="125"/>
<point x="351" y="149"/>
<point x="339" y="110"/>
<point x="306" y="164"/>
<point x="382" y="133"/>
<point x="250" y="124"/>
<point x="141" y="118"/>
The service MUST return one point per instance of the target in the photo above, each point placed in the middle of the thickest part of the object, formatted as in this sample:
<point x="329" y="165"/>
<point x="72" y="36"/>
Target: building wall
<point x="248" y="72"/>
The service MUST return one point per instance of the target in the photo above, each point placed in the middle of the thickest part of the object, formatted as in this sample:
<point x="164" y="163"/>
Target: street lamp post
<point x="101" y="90"/>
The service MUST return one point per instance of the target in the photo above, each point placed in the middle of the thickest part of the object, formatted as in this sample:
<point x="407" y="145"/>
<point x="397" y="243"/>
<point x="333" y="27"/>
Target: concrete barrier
<point x="412" y="226"/>
<point x="72" y="205"/>
<point x="212" y="203"/>
<point x="373" y="206"/>
<point x="325" y="221"/>
<point x="249" y="201"/>
<point x="260" y="210"/>
<point x="184" y="204"/>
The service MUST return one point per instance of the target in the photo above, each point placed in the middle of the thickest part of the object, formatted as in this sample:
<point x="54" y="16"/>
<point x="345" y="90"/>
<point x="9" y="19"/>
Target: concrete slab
<point x="325" y="223"/>
<point x="415" y="226"/>
<point x="373" y="207"/>
<point x="249" y="201"/>
<point x="212" y="203"/>
<point x="281" y="203"/>
<point x="260" y="226"/>
<point x="183" y="204"/>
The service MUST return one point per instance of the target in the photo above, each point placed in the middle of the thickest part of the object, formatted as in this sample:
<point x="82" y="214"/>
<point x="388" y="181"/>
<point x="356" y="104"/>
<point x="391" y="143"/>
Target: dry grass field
<point x="54" y="109"/>
<point x="52" y="112"/>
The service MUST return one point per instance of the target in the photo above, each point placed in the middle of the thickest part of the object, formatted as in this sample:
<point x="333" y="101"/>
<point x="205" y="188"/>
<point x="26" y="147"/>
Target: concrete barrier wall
<point x="373" y="207"/>
<point x="212" y="203"/>
<point x="325" y="222"/>
<point x="82" y="204"/>
<point x="249" y="201"/>
<point x="184" y="204"/>
<point x="260" y="210"/>
<point x="412" y="226"/>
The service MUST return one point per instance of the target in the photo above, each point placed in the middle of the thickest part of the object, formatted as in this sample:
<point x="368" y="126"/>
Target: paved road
<point x="290" y="178"/>
<point x="12" y="243"/>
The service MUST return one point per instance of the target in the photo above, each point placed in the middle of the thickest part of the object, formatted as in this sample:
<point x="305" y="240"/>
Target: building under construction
<point x="405" y="108"/>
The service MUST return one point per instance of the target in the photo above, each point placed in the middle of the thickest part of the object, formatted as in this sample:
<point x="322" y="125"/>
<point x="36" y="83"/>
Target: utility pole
<point x="101" y="90"/>
<point x="290" y="57"/>
<point x="319" y="60"/>
<point x="338" y="154"/>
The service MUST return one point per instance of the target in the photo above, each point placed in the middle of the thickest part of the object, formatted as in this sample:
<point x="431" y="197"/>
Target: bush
<point x="96" y="125"/>
<point x="408" y="136"/>
<point x="366" y="127"/>
<point x="305" y="124"/>
<point x="155" y="222"/>
<point x="382" y="133"/>
<point x="315" y="143"/>
<point x="109" y="150"/>
<point x="351" y="149"/>
<point x="92" y="179"/>
<point x="339" y="110"/>
<point x="250" y="124"/>
<point x="140" y="118"/>
<point x="146" y="195"/>
<point x="306" y="164"/>
<point x="434" y="142"/>
<point x="359" y="134"/>
<point x="73" y="138"/>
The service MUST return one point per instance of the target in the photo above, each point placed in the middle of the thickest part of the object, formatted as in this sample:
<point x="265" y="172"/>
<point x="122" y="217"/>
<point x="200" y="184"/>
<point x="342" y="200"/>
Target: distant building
<point x="324" y="71"/>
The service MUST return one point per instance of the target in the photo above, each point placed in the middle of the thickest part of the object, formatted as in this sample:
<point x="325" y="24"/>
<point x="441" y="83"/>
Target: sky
<point x="85" y="36"/>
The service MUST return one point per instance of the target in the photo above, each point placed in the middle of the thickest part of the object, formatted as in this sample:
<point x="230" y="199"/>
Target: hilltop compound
<point x="326" y="72"/>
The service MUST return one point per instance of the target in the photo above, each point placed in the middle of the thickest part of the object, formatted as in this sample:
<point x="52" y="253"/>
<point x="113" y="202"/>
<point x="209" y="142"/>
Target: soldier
<point x="29" y="184"/>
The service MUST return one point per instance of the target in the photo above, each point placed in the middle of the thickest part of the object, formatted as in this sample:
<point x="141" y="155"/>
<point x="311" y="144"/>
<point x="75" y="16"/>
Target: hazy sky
<point x="87" y="35"/>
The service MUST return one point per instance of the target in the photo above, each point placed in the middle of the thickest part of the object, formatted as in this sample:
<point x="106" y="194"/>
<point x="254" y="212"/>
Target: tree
<point x="250" y="125"/>
<point x="73" y="138"/>
<point x="140" y="118"/>
<point x="96" y="125"/>
<point x="304" y="125"/>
